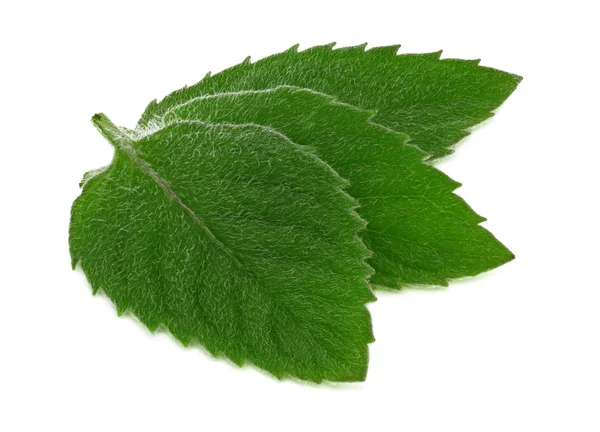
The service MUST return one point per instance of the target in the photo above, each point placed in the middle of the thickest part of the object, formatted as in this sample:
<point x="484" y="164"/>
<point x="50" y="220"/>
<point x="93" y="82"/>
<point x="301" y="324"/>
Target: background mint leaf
<point x="232" y="237"/>
<point x="434" y="101"/>
<point x="419" y="231"/>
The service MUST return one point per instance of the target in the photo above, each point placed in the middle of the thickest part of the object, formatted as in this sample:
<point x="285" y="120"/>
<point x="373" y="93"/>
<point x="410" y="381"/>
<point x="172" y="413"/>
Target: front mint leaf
<point x="419" y="231"/>
<point x="433" y="101"/>
<point x="233" y="237"/>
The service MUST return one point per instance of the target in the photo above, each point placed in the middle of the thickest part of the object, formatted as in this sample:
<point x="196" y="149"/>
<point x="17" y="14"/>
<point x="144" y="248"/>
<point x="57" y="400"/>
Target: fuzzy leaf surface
<point x="434" y="101"/>
<point x="232" y="237"/>
<point x="419" y="231"/>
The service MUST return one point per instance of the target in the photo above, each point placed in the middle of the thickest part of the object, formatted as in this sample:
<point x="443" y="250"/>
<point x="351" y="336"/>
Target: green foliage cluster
<point x="255" y="212"/>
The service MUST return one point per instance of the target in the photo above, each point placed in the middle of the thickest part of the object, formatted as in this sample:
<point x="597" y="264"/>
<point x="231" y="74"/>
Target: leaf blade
<point x="420" y="232"/>
<point x="293" y="303"/>
<point x="435" y="101"/>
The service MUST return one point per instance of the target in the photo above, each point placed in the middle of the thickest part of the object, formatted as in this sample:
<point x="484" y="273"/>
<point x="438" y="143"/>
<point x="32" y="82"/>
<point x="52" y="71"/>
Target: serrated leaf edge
<point x="128" y="135"/>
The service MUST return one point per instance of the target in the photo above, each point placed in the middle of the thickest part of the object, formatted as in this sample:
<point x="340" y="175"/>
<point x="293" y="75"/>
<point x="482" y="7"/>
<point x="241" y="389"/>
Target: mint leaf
<point x="434" y="101"/>
<point x="419" y="231"/>
<point x="233" y="237"/>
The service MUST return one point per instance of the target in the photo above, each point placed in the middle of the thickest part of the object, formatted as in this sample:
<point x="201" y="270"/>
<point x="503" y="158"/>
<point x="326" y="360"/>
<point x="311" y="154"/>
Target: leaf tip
<point x="517" y="78"/>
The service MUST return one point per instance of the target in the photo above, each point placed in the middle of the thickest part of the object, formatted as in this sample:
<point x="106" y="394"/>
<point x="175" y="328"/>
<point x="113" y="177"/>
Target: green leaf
<point x="233" y="237"/>
<point x="434" y="101"/>
<point x="419" y="231"/>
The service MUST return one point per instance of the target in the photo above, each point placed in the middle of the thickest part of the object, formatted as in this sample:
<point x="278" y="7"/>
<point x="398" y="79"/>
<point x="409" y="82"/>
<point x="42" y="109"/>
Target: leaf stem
<point x="111" y="132"/>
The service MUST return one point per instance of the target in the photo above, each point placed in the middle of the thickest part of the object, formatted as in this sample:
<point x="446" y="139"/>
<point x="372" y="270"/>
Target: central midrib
<point x="121" y="141"/>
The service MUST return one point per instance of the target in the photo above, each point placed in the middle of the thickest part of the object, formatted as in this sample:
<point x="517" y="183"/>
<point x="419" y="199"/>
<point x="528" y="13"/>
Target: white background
<point x="516" y="349"/>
